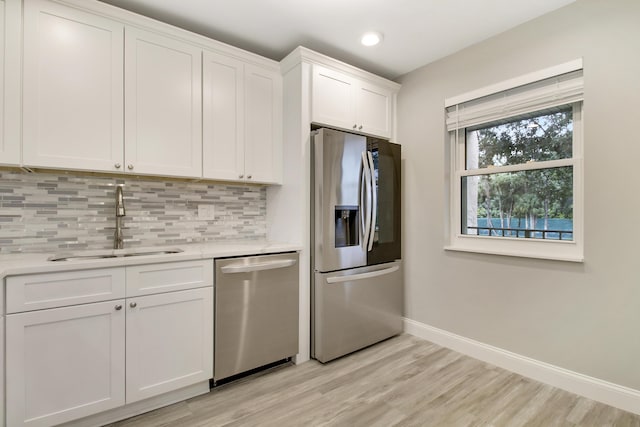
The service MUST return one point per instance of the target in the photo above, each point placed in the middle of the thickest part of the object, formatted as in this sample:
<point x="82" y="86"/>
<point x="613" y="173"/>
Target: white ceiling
<point x="416" y="32"/>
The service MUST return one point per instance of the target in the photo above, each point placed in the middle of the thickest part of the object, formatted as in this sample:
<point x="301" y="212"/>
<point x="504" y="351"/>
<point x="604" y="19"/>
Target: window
<point x="516" y="166"/>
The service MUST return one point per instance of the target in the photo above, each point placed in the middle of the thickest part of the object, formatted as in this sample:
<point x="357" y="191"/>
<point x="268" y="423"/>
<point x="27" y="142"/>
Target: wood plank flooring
<point x="404" y="381"/>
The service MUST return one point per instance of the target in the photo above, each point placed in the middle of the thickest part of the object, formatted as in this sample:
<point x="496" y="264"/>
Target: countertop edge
<point x="19" y="264"/>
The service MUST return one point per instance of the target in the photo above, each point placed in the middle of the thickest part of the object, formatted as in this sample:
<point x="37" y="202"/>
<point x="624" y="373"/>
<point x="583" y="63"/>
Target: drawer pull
<point x="133" y="304"/>
<point x="118" y="307"/>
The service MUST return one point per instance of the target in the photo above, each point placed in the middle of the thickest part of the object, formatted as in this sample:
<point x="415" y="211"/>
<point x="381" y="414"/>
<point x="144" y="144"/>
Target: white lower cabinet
<point x="69" y="362"/>
<point x="169" y="342"/>
<point x="64" y="363"/>
<point x="2" y="419"/>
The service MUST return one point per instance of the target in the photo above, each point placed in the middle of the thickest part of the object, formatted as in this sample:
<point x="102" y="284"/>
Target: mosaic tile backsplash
<point x="49" y="212"/>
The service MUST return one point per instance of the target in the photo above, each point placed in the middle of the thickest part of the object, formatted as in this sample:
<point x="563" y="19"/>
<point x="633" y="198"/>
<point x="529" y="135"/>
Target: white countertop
<point x="14" y="264"/>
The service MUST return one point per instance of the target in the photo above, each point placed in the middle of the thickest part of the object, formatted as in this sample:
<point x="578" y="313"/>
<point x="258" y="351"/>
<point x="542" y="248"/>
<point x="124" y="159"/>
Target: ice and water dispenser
<point x="346" y="226"/>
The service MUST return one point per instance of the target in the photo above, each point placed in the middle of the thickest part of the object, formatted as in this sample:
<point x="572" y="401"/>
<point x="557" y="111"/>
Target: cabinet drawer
<point x="172" y="276"/>
<point x="38" y="291"/>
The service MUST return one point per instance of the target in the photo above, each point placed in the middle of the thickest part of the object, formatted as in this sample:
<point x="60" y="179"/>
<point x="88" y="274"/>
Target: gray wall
<point x="583" y="317"/>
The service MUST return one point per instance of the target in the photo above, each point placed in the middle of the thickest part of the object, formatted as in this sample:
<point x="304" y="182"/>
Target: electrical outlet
<point x="206" y="212"/>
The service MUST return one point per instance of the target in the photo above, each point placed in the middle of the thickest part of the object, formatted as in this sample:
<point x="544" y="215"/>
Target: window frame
<point x="563" y="250"/>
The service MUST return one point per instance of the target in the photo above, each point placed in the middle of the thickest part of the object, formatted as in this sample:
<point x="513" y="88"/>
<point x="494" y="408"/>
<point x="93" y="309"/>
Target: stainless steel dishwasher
<point x="256" y="312"/>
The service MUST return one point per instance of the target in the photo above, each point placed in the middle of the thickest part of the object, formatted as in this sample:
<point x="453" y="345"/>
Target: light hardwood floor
<point x="404" y="381"/>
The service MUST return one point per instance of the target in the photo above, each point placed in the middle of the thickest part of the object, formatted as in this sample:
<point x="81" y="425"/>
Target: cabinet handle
<point x="240" y="176"/>
<point x="360" y="127"/>
<point x="117" y="165"/>
<point x="130" y="166"/>
<point x="248" y="176"/>
<point x="133" y="304"/>
<point x="355" y="126"/>
<point x="118" y="307"/>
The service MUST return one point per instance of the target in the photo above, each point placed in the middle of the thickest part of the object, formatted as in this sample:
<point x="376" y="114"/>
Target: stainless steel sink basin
<point x="78" y="257"/>
<point x="170" y="251"/>
<point x="111" y="254"/>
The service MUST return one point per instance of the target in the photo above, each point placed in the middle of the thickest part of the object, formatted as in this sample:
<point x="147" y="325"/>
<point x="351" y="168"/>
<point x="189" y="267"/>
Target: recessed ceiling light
<point x="371" y="38"/>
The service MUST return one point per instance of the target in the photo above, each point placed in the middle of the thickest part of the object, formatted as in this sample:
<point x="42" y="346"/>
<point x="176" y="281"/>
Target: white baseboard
<point x="611" y="394"/>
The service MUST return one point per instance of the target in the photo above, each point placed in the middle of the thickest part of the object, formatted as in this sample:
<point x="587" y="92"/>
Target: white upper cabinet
<point x="223" y="117"/>
<point x="73" y="100"/>
<point x="76" y="114"/>
<point x="373" y="113"/>
<point x="106" y="90"/>
<point x="10" y="30"/>
<point x="242" y="120"/>
<point x="333" y="98"/>
<point x="263" y="125"/>
<point x="4" y="154"/>
<point x="163" y="86"/>
<point x="343" y="101"/>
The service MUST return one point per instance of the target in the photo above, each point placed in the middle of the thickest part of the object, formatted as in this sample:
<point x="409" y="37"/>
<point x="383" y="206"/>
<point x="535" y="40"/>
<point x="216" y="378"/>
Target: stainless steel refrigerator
<point x="357" y="284"/>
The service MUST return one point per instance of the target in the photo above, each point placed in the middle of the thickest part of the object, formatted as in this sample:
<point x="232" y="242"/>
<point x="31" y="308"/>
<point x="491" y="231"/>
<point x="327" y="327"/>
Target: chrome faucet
<point x="118" y="241"/>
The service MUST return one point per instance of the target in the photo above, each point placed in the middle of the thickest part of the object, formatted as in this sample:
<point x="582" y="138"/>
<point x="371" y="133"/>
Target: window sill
<point x="548" y="255"/>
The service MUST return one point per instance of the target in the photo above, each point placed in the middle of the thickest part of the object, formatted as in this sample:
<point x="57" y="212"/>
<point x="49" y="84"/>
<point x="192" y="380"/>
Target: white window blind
<point x="543" y="94"/>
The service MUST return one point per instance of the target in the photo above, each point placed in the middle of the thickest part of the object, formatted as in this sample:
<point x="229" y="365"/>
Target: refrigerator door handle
<point x="374" y="204"/>
<point x="361" y="276"/>
<point x="361" y="195"/>
<point x="258" y="266"/>
<point x="366" y="213"/>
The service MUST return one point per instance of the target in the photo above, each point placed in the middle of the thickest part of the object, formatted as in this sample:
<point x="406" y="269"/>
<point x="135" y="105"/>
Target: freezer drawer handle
<point x="258" y="266"/>
<point x="341" y="279"/>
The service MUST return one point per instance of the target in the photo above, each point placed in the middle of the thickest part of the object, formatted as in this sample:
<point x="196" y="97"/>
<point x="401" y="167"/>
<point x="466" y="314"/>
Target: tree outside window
<point x="519" y="190"/>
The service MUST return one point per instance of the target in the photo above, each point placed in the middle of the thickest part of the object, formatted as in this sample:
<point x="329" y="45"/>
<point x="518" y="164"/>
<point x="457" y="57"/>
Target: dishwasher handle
<point x="258" y="266"/>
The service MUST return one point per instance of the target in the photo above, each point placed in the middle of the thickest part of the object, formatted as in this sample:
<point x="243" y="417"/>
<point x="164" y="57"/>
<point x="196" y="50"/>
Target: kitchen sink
<point x="111" y="254"/>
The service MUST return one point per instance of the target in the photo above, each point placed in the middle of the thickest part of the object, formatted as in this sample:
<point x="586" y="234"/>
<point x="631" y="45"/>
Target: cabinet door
<point x="163" y="133"/>
<point x="223" y="117"/>
<point x="64" y="363"/>
<point x="263" y="125"/>
<point x="4" y="150"/>
<point x="73" y="102"/>
<point x="169" y="342"/>
<point x="373" y="109"/>
<point x="10" y="59"/>
<point x="2" y="419"/>
<point x="332" y="98"/>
